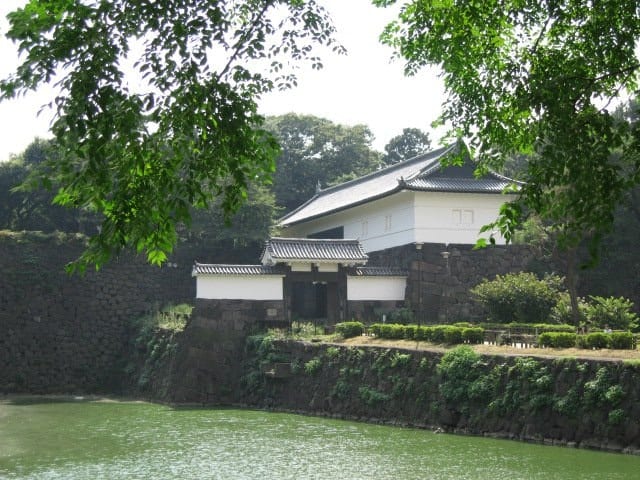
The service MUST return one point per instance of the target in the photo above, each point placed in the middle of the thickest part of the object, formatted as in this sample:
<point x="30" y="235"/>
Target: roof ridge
<point x="383" y="171"/>
<point x="434" y="165"/>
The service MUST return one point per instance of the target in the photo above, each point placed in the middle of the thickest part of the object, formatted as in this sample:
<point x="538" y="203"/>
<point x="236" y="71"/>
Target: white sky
<point x="363" y="87"/>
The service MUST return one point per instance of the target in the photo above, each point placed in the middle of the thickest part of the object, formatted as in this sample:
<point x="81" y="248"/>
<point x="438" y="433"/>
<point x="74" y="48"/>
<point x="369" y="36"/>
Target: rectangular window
<point x="462" y="217"/>
<point x="456" y="216"/>
<point x="467" y="218"/>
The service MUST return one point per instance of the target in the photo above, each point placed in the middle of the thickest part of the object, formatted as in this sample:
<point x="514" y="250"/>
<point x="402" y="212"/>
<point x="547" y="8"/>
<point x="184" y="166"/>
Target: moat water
<point x="79" y="439"/>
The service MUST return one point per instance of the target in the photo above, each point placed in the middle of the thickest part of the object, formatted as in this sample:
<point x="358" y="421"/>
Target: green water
<point x="118" y="440"/>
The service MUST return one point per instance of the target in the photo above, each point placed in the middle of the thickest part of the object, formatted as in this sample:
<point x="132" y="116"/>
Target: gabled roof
<point x="421" y="173"/>
<point x="220" y="269"/>
<point x="286" y="250"/>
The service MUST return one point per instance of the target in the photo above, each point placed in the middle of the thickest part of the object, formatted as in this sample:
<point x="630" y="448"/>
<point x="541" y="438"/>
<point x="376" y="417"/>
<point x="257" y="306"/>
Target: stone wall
<point x="440" y="276"/>
<point x="575" y="402"/>
<point x="62" y="333"/>
<point x="371" y="311"/>
<point x="209" y="363"/>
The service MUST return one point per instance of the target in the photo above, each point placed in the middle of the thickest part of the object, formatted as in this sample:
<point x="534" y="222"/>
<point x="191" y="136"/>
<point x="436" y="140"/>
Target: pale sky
<point x="363" y="87"/>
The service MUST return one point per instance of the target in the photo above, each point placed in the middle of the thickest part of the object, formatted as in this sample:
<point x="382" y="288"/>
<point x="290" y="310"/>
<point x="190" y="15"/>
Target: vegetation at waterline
<point x="155" y="340"/>
<point x="476" y="391"/>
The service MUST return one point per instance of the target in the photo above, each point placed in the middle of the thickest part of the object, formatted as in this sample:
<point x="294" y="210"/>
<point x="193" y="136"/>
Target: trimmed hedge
<point x="449" y="334"/>
<point x="622" y="341"/>
<point x="539" y="327"/>
<point x="557" y="339"/>
<point x="350" y="329"/>
<point x="594" y="340"/>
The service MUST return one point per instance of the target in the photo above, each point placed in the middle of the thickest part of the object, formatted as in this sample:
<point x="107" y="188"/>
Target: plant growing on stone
<point x="313" y="366"/>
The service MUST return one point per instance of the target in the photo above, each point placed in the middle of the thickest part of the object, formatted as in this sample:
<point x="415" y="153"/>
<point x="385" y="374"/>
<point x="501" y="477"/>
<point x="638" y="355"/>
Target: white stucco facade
<point x="376" y="288"/>
<point x="239" y="287"/>
<point x="409" y="217"/>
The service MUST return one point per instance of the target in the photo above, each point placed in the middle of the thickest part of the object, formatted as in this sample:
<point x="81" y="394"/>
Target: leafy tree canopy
<point x="24" y="208"/>
<point x="537" y="77"/>
<point x="242" y="240"/>
<point x="141" y="151"/>
<point x="316" y="151"/>
<point x="410" y="143"/>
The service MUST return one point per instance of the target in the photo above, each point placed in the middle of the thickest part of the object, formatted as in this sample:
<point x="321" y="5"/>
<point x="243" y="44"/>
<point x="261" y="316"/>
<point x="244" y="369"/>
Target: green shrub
<point x="617" y="416"/>
<point x="410" y="332"/>
<point x="530" y="327"/>
<point x="622" y="340"/>
<point x="390" y="331"/>
<point x="595" y="340"/>
<point x="371" y="396"/>
<point x="375" y="329"/>
<point x="400" y="359"/>
<point x="557" y="339"/>
<point x="462" y="375"/>
<point x="562" y="312"/>
<point x="312" y="367"/>
<point x="386" y="330"/>
<point x="519" y="297"/>
<point x="422" y="333"/>
<point x="452" y="335"/>
<point x="437" y="334"/>
<point x="611" y="312"/>
<point x="350" y="329"/>
<point x="473" y="335"/>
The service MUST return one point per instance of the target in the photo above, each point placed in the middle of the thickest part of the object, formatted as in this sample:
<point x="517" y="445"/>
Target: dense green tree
<point x="29" y="207"/>
<point x="242" y="238"/>
<point x="316" y="151"/>
<point x="537" y="77"/>
<point x="410" y="143"/>
<point x="142" y="151"/>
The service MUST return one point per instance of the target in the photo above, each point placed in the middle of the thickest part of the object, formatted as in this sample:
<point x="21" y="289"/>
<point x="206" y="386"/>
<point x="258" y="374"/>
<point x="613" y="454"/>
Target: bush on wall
<point x="611" y="312"/>
<point x="350" y="329"/>
<point x="557" y="339"/>
<point x="449" y="334"/>
<point x="518" y="297"/>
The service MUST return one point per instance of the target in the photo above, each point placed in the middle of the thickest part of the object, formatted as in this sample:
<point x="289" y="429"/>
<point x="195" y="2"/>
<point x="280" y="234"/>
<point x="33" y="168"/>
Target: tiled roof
<point x="422" y="173"/>
<point x="379" y="272"/>
<point x="313" y="250"/>
<point x="467" y="185"/>
<point x="218" y="269"/>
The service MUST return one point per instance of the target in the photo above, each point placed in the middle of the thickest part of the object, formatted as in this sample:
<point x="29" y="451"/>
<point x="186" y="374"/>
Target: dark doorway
<point x="314" y="301"/>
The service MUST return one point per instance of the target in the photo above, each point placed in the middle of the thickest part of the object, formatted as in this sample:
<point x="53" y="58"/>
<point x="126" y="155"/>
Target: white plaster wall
<point x="376" y="288"/>
<point x="241" y="287"/>
<point x="381" y="224"/>
<point x="442" y="217"/>
<point x="414" y="217"/>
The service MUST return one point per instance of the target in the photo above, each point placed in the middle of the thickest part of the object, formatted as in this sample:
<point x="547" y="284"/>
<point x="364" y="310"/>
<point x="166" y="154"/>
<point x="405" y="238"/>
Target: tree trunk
<point x="572" y="283"/>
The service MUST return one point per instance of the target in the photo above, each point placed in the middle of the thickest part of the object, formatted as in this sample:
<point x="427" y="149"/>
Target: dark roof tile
<point x="313" y="250"/>
<point x="379" y="272"/>
<point x="220" y="269"/>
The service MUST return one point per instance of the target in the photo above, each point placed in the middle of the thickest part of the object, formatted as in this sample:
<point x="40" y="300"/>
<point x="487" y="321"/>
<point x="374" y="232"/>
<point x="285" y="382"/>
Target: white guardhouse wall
<point x="240" y="287"/>
<point x="376" y="288"/>
<point x="443" y="217"/>
<point x="380" y="224"/>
